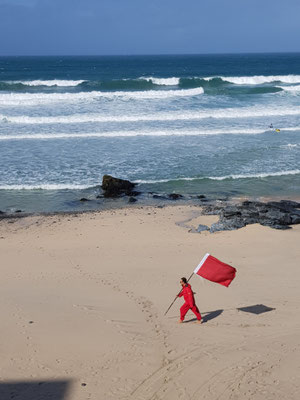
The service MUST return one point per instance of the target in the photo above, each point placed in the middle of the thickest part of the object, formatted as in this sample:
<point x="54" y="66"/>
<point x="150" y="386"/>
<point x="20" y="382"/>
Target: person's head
<point x="183" y="281"/>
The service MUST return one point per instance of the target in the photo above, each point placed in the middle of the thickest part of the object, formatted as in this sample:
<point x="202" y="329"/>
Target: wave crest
<point x="113" y="134"/>
<point x="46" y="186"/>
<point x="220" y="113"/>
<point x="223" y="178"/>
<point x="45" y="98"/>
<point x="51" y="82"/>
<point x="173" y="81"/>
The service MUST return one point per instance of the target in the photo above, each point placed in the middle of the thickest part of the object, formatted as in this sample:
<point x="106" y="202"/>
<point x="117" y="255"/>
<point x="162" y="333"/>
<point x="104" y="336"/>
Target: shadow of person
<point x="208" y="316"/>
<point x="211" y="315"/>
<point x="34" y="390"/>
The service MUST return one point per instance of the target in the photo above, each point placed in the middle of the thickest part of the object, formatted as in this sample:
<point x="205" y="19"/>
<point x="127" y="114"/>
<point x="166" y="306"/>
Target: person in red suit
<point x="189" y="304"/>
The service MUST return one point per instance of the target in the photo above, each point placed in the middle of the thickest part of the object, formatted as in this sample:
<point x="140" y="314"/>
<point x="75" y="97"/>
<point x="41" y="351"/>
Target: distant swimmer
<point x="271" y="126"/>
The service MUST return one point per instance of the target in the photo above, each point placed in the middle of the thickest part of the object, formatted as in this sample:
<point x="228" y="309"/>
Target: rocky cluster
<point x="276" y="214"/>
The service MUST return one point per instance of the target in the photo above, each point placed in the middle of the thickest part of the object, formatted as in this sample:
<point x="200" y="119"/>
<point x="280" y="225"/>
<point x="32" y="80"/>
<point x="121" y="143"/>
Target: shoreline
<point x="233" y="213"/>
<point x="161" y="199"/>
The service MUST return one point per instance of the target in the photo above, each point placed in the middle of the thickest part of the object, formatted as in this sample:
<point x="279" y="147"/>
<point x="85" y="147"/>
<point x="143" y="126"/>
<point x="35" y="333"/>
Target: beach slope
<point x="83" y="300"/>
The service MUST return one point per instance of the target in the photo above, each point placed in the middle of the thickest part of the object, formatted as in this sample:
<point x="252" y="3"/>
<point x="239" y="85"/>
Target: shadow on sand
<point x="255" y="309"/>
<point x="207" y="316"/>
<point x="34" y="390"/>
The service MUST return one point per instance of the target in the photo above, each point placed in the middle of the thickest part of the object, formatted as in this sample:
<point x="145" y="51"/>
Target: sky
<point x="121" y="27"/>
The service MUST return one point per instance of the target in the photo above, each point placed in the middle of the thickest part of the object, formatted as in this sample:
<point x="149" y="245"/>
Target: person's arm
<point x="180" y="294"/>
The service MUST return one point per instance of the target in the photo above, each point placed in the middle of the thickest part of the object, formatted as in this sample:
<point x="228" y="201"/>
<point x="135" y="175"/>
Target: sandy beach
<point x="83" y="300"/>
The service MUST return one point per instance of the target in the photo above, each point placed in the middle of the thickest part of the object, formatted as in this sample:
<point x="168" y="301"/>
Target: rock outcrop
<point x="115" y="187"/>
<point x="175" y="196"/>
<point x="276" y="214"/>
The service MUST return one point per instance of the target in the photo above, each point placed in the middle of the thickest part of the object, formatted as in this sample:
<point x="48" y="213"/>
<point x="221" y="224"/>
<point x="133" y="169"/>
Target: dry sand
<point x="83" y="300"/>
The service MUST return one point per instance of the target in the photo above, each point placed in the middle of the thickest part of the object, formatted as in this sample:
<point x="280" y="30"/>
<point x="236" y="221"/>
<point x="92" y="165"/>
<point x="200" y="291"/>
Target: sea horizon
<point x="155" y="54"/>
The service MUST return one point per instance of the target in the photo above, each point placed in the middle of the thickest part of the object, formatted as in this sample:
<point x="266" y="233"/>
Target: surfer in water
<point x="272" y="127"/>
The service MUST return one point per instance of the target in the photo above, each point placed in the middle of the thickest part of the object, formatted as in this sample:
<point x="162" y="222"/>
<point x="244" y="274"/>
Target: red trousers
<point x="186" y="307"/>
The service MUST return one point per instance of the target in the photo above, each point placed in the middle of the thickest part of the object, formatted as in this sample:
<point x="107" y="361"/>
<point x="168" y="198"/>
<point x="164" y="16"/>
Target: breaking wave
<point x="151" y="83"/>
<point x="260" y="79"/>
<point x="223" y="178"/>
<point x="112" y="134"/>
<point x="234" y="113"/>
<point x="52" y="82"/>
<point x="291" y="88"/>
<point x="46" y="98"/>
<point x="162" y="81"/>
<point x="47" y="186"/>
<point x="36" y="84"/>
<point x="71" y="186"/>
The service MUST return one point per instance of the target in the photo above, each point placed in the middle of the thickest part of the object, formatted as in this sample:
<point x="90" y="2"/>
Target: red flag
<point x="216" y="271"/>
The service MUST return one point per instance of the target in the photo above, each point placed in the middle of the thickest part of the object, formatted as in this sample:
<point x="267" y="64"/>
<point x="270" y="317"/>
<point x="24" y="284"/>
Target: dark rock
<point x="132" y="200"/>
<point x="115" y="187"/>
<point x="99" y="196"/>
<point x="212" y="210"/>
<point x="135" y="193"/>
<point x="201" y="196"/>
<point x="275" y="226"/>
<point x="284" y="205"/>
<point x="157" y="196"/>
<point x="277" y="215"/>
<point x="2" y="212"/>
<point x="229" y="225"/>
<point x="175" y="196"/>
<point x="295" y="219"/>
<point x="83" y="199"/>
<point x="202" y="228"/>
<point x="246" y="203"/>
<point x="18" y="211"/>
<point x="230" y="211"/>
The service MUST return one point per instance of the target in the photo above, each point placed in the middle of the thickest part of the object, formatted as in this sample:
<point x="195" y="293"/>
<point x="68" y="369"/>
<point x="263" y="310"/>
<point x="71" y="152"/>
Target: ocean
<point x="218" y="125"/>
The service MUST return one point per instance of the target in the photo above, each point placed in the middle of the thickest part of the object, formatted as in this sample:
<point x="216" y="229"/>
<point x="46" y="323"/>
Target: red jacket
<point x="188" y="295"/>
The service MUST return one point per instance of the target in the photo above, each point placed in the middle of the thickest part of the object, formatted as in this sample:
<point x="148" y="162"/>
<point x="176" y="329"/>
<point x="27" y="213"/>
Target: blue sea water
<point x="196" y="124"/>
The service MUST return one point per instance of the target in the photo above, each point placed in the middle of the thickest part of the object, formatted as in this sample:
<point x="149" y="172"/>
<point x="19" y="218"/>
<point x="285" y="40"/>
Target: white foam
<point x="52" y="82"/>
<point x="221" y="113"/>
<point x="290" y="88"/>
<point x="113" y="134"/>
<point x="46" y="98"/>
<point x="238" y="80"/>
<point x="162" y="81"/>
<point x="135" y="133"/>
<point x="71" y="186"/>
<point x="222" y="178"/>
<point x="262" y="175"/>
<point x="46" y="186"/>
<point x="260" y="79"/>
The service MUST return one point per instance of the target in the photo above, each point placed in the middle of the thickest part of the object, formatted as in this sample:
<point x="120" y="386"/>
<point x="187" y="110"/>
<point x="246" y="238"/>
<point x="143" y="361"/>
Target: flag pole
<point x="178" y="294"/>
